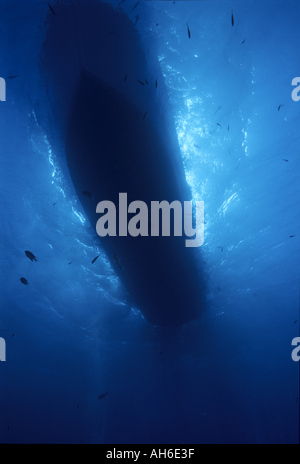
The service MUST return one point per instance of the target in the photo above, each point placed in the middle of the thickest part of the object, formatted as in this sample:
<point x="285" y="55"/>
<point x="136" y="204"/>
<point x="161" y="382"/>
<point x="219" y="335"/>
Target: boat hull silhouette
<point x="117" y="141"/>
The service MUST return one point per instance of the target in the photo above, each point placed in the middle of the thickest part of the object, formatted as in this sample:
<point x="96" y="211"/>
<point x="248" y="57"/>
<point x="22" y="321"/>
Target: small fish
<point x="125" y="78"/>
<point x="232" y="18"/>
<point x="243" y="41"/>
<point x="219" y="124"/>
<point x="136" y="19"/>
<point x="117" y="261"/>
<point x="291" y="236"/>
<point x="51" y="9"/>
<point x="144" y="115"/>
<point x="156" y="83"/>
<point x="88" y="194"/>
<point x="102" y="396"/>
<point x="220" y="248"/>
<point x="70" y="263"/>
<point x="228" y="127"/>
<point x="31" y="256"/>
<point x="296" y="321"/>
<point x="13" y="335"/>
<point x="280" y="106"/>
<point x="95" y="259"/>
<point x="189" y="32"/>
<point x="13" y="77"/>
<point x="283" y="159"/>
<point x="24" y="281"/>
<point x="146" y="82"/>
<point x="219" y="107"/>
<point x="54" y="203"/>
<point x="140" y="82"/>
<point x="135" y="6"/>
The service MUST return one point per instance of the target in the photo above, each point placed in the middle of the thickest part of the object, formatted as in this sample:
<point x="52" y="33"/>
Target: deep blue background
<point x="228" y="377"/>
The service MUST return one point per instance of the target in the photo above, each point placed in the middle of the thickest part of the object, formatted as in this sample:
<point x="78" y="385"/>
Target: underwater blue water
<point x="70" y="336"/>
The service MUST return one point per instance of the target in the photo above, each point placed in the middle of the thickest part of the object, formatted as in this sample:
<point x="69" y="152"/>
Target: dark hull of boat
<point x="113" y="146"/>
